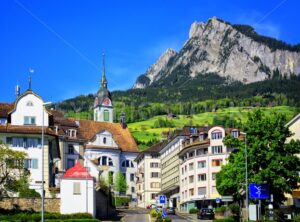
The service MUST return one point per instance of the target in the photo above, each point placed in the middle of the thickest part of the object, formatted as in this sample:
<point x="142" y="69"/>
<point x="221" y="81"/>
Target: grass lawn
<point x="145" y="130"/>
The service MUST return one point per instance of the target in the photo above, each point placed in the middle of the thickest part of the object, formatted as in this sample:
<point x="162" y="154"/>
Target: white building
<point x="77" y="191"/>
<point x="148" y="176"/>
<point x="109" y="147"/>
<point x="201" y="157"/>
<point x="21" y="129"/>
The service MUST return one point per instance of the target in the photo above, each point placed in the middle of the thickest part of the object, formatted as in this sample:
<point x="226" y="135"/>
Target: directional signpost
<point x="218" y="200"/>
<point x="259" y="191"/>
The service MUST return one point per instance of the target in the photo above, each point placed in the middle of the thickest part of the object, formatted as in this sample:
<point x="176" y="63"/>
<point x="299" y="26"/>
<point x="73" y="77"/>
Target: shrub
<point x="120" y="201"/>
<point x="235" y="208"/>
<point x="193" y="211"/>
<point x="297" y="218"/>
<point x="221" y="209"/>
<point x="153" y="213"/>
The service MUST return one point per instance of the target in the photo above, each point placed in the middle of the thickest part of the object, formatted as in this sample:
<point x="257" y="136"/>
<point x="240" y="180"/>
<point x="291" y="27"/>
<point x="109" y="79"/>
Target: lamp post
<point x="246" y="176"/>
<point x="43" y="195"/>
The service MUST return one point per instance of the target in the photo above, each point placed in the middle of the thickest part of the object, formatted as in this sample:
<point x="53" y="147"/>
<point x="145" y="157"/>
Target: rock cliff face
<point x="233" y="51"/>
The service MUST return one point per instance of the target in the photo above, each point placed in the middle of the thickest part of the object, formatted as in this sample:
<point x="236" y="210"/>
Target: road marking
<point x="149" y="218"/>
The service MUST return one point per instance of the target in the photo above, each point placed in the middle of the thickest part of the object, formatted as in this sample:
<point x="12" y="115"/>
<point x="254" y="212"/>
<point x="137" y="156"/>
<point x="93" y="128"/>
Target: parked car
<point x="206" y="213"/>
<point x="170" y="210"/>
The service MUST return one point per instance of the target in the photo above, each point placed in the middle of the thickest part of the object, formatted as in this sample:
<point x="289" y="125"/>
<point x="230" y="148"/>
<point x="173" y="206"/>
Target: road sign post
<point x="162" y="199"/>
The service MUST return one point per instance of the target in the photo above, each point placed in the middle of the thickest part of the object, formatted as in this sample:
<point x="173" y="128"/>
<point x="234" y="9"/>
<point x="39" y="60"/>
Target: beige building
<point x="148" y="176"/>
<point x="201" y="158"/>
<point x="294" y="127"/>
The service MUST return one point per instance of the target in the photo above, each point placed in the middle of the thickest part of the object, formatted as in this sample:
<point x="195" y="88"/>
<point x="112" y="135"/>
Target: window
<point x="213" y="176"/>
<point x="202" y="164"/>
<point x="154" y="175"/>
<point x="70" y="149"/>
<point x="153" y="195"/>
<point x="31" y="163"/>
<point x="217" y="162"/>
<point x="76" y="188"/>
<point x="201" y="191"/>
<point x="105" y="161"/>
<point x="191" y="192"/>
<point x="154" y="185"/>
<point x="127" y="163"/>
<point x="191" y="179"/>
<point x="31" y="142"/>
<point x="235" y="133"/>
<point x="154" y="165"/>
<point x="191" y="154"/>
<point x="131" y="177"/>
<point x="201" y="177"/>
<point x="70" y="163"/>
<point x="215" y="135"/>
<point x="201" y="152"/>
<point x="201" y="137"/>
<point x="106" y="115"/>
<point x="216" y="149"/>
<point x="3" y="121"/>
<point x="132" y="190"/>
<point x="29" y="103"/>
<point x="191" y="166"/>
<point x="29" y="120"/>
<point x="104" y="140"/>
<point x="17" y="142"/>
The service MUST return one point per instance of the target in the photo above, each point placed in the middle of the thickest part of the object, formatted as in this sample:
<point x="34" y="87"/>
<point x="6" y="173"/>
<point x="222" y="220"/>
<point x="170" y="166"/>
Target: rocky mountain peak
<point x="234" y="51"/>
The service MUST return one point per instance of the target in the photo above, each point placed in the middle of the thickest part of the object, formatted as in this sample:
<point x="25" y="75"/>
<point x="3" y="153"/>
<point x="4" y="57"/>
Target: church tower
<point x="103" y="108"/>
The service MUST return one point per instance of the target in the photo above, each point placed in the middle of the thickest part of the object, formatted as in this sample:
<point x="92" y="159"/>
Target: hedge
<point x="120" y="201"/>
<point x="226" y="219"/>
<point x="193" y="211"/>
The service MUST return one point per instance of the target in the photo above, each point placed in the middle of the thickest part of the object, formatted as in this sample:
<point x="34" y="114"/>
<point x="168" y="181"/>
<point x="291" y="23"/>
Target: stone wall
<point x="51" y="204"/>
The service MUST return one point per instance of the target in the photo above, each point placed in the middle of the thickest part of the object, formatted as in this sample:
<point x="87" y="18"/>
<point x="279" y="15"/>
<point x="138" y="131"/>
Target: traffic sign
<point x="259" y="191"/>
<point x="218" y="200"/>
<point x="162" y="199"/>
<point x="163" y="215"/>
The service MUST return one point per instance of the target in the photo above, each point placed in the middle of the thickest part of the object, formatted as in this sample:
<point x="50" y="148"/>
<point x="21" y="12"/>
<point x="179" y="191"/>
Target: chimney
<point x="17" y="90"/>
<point x="123" y="120"/>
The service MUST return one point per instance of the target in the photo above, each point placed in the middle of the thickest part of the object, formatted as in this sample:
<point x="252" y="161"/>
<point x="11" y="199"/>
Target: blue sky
<point x="63" y="40"/>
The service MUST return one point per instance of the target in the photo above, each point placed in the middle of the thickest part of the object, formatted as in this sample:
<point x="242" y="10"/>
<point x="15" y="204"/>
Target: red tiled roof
<point x="88" y="130"/>
<point x="77" y="171"/>
<point x="5" y="108"/>
<point x="8" y="128"/>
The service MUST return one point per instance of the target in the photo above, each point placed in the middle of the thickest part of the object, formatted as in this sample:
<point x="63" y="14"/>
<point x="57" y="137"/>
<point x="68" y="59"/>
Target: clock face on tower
<point x="106" y="101"/>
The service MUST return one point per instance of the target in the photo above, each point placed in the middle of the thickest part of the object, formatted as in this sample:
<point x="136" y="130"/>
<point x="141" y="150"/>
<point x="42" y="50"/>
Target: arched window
<point x="105" y="161"/>
<point x="216" y="134"/>
<point x="127" y="163"/>
<point x="106" y="115"/>
<point x="29" y="103"/>
<point x="104" y="140"/>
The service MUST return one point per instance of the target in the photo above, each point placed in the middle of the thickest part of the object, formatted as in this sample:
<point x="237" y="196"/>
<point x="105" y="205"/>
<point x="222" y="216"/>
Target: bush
<point x="120" y="201"/>
<point x="220" y="209"/>
<point x="235" y="209"/>
<point x="193" y="211"/>
<point x="297" y="218"/>
<point x="226" y="219"/>
<point x="29" y="193"/>
<point x="153" y="213"/>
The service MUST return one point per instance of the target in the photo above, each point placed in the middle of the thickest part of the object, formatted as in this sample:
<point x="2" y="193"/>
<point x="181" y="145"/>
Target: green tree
<point x="13" y="176"/>
<point x="270" y="159"/>
<point x="120" y="183"/>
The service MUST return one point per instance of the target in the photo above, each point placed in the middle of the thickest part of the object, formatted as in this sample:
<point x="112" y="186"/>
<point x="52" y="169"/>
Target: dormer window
<point x="201" y="137"/>
<point x="29" y="103"/>
<point x="215" y="135"/>
<point x="235" y="133"/>
<point x="29" y="120"/>
<point x="104" y="140"/>
<point x="71" y="133"/>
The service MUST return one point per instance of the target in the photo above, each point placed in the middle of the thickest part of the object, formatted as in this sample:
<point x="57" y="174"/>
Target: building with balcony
<point x="201" y="158"/>
<point x="148" y="176"/>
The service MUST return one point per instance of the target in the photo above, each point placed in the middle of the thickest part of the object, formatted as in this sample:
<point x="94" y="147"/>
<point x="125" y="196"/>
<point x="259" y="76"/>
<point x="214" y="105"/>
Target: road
<point x="142" y="215"/>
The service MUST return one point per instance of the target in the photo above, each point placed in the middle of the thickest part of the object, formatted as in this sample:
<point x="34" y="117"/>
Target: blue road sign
<point x="259" y="191"/>
<point x="163" y="215"/>
<point x="218" y="200"/>
<point x="162" y="199"/>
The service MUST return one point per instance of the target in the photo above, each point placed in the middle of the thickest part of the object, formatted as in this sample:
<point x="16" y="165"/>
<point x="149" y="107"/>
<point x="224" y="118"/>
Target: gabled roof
<point x="76" y="172"/>
<point x="5" y="108"/>
<point x="88" y="130"/>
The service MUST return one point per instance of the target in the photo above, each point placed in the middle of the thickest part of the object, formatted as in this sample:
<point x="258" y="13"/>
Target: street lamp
<point x="246" y="176"/>
<point x="43" y="197"/>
